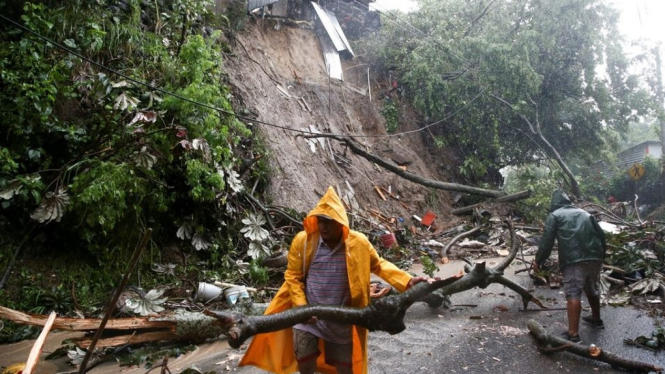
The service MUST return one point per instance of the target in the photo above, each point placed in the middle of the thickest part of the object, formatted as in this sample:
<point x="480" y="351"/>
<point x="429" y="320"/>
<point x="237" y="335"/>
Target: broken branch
<point x="548" y="342"/>
<point x="406" y="175"/>
<point x="508" y="198"/>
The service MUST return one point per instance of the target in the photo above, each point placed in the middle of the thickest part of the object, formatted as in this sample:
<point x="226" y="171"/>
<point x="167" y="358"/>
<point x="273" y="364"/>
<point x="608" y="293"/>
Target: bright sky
<point x="639" y="18"/>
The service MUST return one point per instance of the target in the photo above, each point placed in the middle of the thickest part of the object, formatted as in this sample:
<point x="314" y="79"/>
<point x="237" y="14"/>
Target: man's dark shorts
<point x="306" y="346"/>
<point x="582" y="276"/>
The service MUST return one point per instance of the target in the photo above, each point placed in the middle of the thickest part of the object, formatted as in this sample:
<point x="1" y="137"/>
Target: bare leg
<point x="574" y="309"/>
<point x="307" y="367"/>
<point x="594" y="302"/>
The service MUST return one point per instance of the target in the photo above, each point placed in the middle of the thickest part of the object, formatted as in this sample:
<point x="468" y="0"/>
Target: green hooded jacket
<point x="577" y="233"/>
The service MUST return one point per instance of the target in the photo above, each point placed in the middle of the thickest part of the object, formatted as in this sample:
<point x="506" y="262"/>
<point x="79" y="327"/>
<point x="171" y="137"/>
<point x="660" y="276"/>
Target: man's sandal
<point x="573" y="338"/>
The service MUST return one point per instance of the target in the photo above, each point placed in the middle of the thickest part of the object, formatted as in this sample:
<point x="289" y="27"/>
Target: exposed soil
<point x="293" y="58"/>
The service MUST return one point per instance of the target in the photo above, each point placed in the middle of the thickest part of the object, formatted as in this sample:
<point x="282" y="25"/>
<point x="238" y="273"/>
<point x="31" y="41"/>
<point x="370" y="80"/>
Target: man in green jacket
<point x="581" y="244"/>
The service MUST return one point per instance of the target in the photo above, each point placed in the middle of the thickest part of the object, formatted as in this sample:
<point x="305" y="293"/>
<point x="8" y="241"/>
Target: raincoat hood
<point x="330" y="206"/>
<point x="559" y="200"/>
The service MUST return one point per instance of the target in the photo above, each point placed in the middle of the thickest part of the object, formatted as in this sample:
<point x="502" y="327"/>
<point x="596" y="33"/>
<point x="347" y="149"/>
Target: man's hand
<point x="416" y="280"/>
<point x="535" y="266"/>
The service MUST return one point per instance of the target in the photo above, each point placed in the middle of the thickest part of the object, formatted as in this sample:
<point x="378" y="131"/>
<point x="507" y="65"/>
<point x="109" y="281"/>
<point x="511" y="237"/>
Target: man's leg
<point x="573" y="283"/>
<point x="339" y="356"/>
<point x="306" y="347"/>
<point x="574" y="309"/>
<point x="591" y="288"/>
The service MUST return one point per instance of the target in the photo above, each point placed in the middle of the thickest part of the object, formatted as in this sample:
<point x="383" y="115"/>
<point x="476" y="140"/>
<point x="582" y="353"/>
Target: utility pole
<point x="659" y="95"/>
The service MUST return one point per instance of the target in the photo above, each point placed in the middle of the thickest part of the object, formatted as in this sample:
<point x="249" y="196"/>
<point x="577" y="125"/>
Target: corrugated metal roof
<point x="254" y="4"/>
<point x="338" y="28"/>
<point x="331" y="57"/>
<point x="330" y="28"/>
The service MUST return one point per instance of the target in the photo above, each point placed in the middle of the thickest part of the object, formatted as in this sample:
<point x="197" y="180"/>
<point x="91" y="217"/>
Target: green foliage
<point x="541" y="181"/>
<point x="649" y="188"/>
<point x="483" y="69"/>
<point x="97" y="158"/>
<point x="629" y="257"/>
<point x="258" y="274"/>
<point x="391" y="114"/>
<point x="429" y="267"/>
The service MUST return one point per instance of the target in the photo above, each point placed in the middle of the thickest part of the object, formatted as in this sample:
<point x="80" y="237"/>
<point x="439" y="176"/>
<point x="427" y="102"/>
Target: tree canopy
<point x="493" y="69"/>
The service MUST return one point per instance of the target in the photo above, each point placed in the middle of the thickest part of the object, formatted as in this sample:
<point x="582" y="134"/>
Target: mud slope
<point x="267" y="54"/>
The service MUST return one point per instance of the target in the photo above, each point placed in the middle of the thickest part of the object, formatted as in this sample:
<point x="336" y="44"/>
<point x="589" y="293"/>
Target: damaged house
<point x="334" y="20"/>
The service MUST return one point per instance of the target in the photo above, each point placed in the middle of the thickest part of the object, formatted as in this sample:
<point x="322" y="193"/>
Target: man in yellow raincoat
<point x="317" y="255"/>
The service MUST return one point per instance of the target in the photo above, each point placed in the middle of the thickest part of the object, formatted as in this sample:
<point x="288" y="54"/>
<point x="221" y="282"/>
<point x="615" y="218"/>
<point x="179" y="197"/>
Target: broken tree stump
<point x="549" y="343"/>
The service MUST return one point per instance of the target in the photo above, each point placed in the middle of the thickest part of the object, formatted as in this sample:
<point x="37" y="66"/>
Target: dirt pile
<point x="279" y="74"/>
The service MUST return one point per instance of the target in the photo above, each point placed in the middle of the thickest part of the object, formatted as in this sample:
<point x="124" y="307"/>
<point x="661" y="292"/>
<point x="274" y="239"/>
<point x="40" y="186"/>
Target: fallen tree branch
<point x="444" y="251"/>
<point x="386" y="314"/>
<point x="114" y="300"/>
<point x="548" y="342"/>
<point x="406" y="175"/>
<point x="508" y="198"/>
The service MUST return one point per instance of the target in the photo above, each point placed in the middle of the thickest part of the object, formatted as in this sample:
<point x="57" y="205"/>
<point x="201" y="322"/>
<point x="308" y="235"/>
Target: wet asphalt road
<point x="493" y="336"/>
<point x="489" y="337"/>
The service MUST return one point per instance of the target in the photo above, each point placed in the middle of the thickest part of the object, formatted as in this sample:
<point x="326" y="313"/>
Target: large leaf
<point x="125" y="101"/>
<point x="253" y="230"/>
<point x="52" y="207"/>
<point x="10" y="189"/>
<point x="199" y="242"/>
<point x="147" y="304"/>
<point x="144" y="159"/>
<point x="648" y="285"/>
<point x="257" y="250"/>
<point x="201" y="144"/>
<point x="233" y="179"/>
<point x="185" y="231"/>
<point x="144" y="117"/>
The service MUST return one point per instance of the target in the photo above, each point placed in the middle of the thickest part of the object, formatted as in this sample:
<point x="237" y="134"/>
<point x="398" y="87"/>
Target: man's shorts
<point x="582" y="276"/>
<point x="306" y="346"/>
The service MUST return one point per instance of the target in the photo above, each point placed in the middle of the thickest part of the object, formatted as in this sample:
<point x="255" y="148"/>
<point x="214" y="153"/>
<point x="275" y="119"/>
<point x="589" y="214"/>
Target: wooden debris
<point x="39" y="344"/>
<point x="306" y="105"/>
<point x="77" y="324"/>
<point x="508" y="198"/>
<point x="378" y="190"/>
<point x="283" y="91"/>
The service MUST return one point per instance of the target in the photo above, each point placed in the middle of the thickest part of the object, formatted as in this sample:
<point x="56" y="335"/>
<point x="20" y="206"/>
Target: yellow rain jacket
<point x="274" y="351"/>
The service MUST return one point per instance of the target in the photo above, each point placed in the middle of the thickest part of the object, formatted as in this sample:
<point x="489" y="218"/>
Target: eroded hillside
<point x="268" y="54"/>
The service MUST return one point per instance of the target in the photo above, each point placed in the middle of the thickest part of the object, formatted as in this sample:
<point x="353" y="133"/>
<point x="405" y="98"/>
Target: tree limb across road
<point x="385" y="314"/>
<point x="355" y="148"/>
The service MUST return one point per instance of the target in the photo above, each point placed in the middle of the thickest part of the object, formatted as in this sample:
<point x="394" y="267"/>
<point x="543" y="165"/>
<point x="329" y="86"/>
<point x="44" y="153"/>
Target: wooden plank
<point x="378" y="190"/>
<point x="307" y="105"/>
<point x="152" y="336"/>
<point x="283" y="91"/>
<point x="39" y="344"/>
<point x="77" y="324"/>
